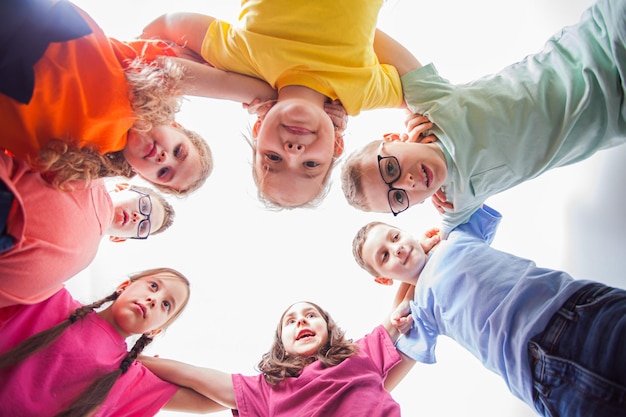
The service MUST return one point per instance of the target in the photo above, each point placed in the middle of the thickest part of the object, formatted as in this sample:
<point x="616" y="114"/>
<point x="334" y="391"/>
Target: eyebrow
<point x="170" y="298"/>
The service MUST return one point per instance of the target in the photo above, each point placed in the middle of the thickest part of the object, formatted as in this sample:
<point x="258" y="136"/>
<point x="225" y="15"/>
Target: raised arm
<point x="189" y="401"/>
<point x="389" y="51"/>
<point x="187" y="31"/>
<point x="213" y="384"/>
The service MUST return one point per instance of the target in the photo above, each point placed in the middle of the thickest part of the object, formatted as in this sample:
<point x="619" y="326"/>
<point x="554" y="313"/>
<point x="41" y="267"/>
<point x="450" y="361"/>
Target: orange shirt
<point x="80" y="95"/>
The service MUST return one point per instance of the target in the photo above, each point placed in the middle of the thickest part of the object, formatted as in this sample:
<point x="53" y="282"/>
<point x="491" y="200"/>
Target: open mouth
<point x="427" y="176"/>
<point x="304" y="334"/>
<point x="125" y="218"/>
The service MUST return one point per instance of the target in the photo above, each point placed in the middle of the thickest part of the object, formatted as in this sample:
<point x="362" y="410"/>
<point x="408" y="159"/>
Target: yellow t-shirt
<point x="326" y="45"/>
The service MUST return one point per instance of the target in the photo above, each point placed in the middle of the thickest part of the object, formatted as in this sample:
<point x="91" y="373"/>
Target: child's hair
<point x="351" y="175"/>
<point x="155" y="95"/>
<point x="359" y="241"/>
<point x="168" y="210"/>
<point x="96" y="393"/>
<point x="276" y="365"/>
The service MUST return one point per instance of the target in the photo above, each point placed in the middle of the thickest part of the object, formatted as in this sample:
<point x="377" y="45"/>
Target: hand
<point x="337" y="114"/>
<point x="440" y="202"/>
<point x="431" y="238"/>
<point x="401" y="318"/>
<point x="417" y="126"/>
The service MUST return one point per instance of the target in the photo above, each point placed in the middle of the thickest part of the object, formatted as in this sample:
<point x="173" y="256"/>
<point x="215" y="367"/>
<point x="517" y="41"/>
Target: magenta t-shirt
<point x="46" y="382"/>
<point x="354" y="388"/>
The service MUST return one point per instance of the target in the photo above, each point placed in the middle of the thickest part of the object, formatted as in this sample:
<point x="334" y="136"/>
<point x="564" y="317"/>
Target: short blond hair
<point x="357" y="246"/>
<point x="352" y="174"/>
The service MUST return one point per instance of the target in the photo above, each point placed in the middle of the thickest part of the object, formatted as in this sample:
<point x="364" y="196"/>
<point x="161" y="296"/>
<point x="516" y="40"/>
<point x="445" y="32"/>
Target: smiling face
<point x="304" y="330"/>
<point x="128" y="213"/>
<point x="394" y="254"/>
<point x="164" y="156"/>
<point x="294" y="152"/>
<point x="146" y="305"/>
<point x="422" y="171"/>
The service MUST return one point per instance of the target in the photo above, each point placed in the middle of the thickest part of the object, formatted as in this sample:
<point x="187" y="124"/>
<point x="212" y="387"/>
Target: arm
<point x="389" y="51"/>
<point x="188" y="30"/>
<point x="215" y="385"/>
<point x="189" y="401"/>
<point x="398" y="372"/>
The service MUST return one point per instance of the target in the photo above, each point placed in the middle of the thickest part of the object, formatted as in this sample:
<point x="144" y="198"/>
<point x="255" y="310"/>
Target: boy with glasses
<point x="552" y="109"/>
<point x="50" y="235"/>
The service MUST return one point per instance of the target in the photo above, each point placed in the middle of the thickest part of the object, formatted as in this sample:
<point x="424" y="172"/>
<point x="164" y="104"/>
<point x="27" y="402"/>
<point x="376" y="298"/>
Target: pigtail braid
<point x="97" y="392"/>
<point x="46" y="337"/>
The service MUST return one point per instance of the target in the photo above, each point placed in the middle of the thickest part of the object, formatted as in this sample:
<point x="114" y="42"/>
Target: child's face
<point x="394" y="254"/>
<point x="414" y="171"/>
<point x="164" y="156"/>
<point x="304" y="330"/>
<point x="147" y="304"/>
<point x="134" y="213"/>
<point x="294" y="152"/>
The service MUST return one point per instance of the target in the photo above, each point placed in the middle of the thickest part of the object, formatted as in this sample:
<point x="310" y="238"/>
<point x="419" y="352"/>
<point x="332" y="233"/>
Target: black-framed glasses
<point x="145" y="208"/>
<point x="389" y="168"/>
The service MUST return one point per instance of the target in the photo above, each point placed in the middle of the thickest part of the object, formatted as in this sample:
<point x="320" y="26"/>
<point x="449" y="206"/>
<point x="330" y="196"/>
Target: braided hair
<point x="97" y="392"/>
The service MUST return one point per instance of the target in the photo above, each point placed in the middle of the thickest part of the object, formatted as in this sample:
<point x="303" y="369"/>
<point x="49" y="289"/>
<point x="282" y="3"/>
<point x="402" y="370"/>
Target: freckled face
<point x="163" y="156"/>
<point x="304" y="330"/>
<point x="394" y="254"/>
<point x="294" y="151"/>
<point x="423" y="171"/>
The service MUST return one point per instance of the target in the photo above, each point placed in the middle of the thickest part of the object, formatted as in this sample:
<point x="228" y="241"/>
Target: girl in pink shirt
<point x="61" y="358"/>
<point x="311" y="370"/>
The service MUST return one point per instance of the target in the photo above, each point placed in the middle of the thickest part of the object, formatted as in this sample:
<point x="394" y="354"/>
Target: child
<point x="311" y="370"/>
<point x="557" y="342"/>
<point x="80" y="105"/>
<point x="552" y="109"/>
<point x="62" y="358"/>
<point x="54" y="235"/>
<point x="311" y="53"/>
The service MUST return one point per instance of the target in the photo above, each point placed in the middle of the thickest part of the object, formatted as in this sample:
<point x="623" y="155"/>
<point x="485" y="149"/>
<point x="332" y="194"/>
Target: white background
<point x="247" y="264"/>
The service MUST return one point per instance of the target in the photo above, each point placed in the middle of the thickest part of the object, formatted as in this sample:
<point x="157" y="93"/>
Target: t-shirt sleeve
<point x="251" y="395"/>
<point x="379" y="348"/>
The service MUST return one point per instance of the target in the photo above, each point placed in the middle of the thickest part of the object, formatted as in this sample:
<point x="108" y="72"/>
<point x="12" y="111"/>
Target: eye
<point x="384" y="257"/>
<point x="311" y="164"/>
<point x="290" y="321"/>
<point x="162" y="172"/>
<point x="310" y="315"/>
<point x="395" y="237"/>
<point x="398" y="197"/>
<point x="167" y="305"/>
<point x="391" y="168"/>
<point x="273" y="157"/>
<point x="178" y="151"/>
<point x="154" y="286"/>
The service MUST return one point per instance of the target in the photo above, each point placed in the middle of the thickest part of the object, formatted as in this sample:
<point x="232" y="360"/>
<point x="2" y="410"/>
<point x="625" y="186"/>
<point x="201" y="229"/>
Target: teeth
<point x="425" y="176"/>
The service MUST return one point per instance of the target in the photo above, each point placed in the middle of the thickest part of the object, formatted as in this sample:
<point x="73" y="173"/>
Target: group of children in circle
<point x="82" y="107"/>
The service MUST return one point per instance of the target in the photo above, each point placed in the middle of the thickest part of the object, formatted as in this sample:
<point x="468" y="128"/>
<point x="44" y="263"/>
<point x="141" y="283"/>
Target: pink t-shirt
<point x="46" y="382"/>
<point x="354" y="388"/>
<point x="57" y="233"/>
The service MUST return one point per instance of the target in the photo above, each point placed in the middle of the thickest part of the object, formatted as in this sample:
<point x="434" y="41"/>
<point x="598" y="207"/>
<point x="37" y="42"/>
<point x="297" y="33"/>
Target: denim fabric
<point x="579" y="361"/>
<point x="6" y="199"/>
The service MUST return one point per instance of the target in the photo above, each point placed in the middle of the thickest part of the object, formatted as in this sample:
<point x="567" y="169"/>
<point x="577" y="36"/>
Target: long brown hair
<point x="97" y="392"/>
<point x="276" y="365"/>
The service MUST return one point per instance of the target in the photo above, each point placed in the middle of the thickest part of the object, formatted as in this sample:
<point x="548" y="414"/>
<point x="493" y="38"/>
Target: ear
<point x="338" y="145"/>
<point x="121" y="186"/>
<point x="383" y="281"/>
<point x="175" y="124"/>
<point x="392" y="137"/>
<point x="257" y="127"/>
<point x="117" y="239"/>
<point x="120" y="288"/>
<point x="153" y="333"/>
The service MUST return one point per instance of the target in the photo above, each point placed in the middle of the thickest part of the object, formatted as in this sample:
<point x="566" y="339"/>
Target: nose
<point x="136" y="216"/>
<point x="302" y="320"/>
<point x="161" y="157"/>
<point x="406" y="181"/>
<point x="294" y="148"/>
<point x="151" y="301"/>
<point x="399" y="250"/>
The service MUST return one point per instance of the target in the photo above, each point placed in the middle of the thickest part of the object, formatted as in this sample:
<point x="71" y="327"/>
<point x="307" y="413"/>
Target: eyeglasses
<point x="389" y="169"/>
<point x="145" y="208"/>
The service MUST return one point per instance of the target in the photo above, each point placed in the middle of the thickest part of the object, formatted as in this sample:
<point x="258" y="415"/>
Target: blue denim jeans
<point x="579" y="361"/>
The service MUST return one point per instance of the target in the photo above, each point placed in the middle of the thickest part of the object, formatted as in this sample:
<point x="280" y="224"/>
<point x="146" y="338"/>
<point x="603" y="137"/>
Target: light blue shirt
<point x="551" y="109"/>
<point x="488" y="301"/>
